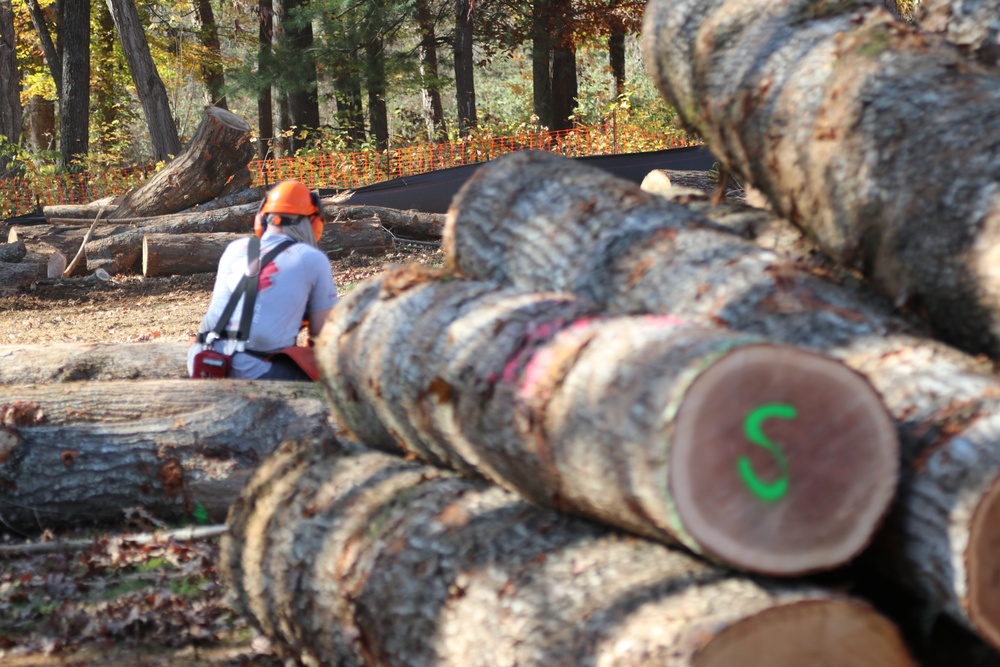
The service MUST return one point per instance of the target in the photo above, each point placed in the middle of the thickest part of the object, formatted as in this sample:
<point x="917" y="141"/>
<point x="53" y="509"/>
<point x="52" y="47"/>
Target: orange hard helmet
<point x="293" y="198"/>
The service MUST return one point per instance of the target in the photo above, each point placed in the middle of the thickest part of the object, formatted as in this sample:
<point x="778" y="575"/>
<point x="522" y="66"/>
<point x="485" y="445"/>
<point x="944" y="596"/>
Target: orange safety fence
<point x="346" y="170"/>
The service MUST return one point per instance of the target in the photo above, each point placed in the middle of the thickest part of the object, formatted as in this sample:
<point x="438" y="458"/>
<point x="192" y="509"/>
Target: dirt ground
<point x="109" y="602"/>
<point x="133" y="309"/>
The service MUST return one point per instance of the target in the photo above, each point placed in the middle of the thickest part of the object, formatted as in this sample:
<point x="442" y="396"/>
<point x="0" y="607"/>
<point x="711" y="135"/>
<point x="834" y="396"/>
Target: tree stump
<point x="647" y="255"/>
<point x="87" y="451"/>
<point x="219" y="149"/>
<point x="645" y="423"/>
<point x="346" y="557"/>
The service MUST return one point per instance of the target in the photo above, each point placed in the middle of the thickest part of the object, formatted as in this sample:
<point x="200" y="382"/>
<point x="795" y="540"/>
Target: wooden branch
<point x="83" y="245"/>
<point x="89" y="449"/>
<point x="70" y="362"/>
<point x="783" y="97"/>
<point x="624" y="420"/>
<point x="220" y="148"/>
<point x="635" y="252"/>
<point x="350" y="558"/>
<point x="186" y="534"/>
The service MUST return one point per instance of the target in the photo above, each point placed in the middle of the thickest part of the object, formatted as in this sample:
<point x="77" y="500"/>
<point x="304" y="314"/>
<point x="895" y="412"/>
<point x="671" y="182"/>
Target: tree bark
<point x="623" y="420"/>
<point x="74" y="101"/>
<point x="356" y="558"/>
<point x="297" y="47"/>
<point x="149" y="87"/>
<point x="123" y="252"/>
<point x="70" y="362"/>
<point x="58" y="213"/>
<point x="414" y="225"/>
<point x="636" y="253"/>
<point x="12" y="253"/>
<point x="89" y="450"/>
<point x="265" y="52"/>
<point x="52" y="58"/>
<point x="430" y="91"/>
<point x="210" y="64"/>
<point x="187" y="254"/>
<point x="973" y="25"/>
<point x="14" y="277"/>
<point x="219" y="149"/>
<point x="10" y="90"/>
<point x="813" y="105"/>
<point x="541" y="63"/>
<point x="465" y="80"/>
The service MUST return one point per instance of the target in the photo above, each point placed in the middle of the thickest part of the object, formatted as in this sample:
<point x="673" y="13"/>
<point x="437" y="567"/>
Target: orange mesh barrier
<point x="345" y="170"/>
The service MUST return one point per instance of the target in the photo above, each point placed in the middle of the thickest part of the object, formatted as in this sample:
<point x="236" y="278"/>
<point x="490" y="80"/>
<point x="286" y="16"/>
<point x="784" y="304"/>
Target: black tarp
<point x="432" y="192"/>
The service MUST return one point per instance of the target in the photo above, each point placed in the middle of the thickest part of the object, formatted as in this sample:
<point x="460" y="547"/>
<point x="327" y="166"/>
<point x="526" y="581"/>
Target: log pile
<point x="350" y="557"/>
<point x="625" y="420"/>
<point x="645" y="254"/>
<point x="177" y="221"/>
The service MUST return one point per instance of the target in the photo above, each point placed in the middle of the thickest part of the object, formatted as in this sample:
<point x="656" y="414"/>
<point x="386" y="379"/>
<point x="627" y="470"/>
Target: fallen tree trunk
<point x="973" y="25"/>
<point x="634" y="252"/>
<point x="624" y="420"/>
<point x="414" y="225"/>
<point x="12" y="252"/>
<point x="811" y="103"/>
<point x="84" y="452"/>
<point x="219" y="149"/>
<point x="245" y="196"/>
<point x="358" y="558"/>
<point x="55" y="214"/>
<point x="187" y="254"/>
<point x="122" y="252"/>
<point x="70" y="362"/>
<point x="18" y="276"/>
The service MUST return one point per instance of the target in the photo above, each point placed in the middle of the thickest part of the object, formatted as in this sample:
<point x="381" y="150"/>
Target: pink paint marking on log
<point x="540" y="363"/>
<point x="665" y="321"/>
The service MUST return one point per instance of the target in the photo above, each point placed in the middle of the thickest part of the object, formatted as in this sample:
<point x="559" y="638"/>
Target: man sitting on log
<point x="264" y="287"/>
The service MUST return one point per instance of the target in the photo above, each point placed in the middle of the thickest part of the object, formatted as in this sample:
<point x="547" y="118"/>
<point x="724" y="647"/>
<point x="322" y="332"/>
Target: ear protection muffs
<point x="315" y="218"/>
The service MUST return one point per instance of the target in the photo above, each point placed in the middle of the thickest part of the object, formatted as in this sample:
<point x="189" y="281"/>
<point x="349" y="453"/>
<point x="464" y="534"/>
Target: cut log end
<point x="837" y="633"/>
<point x="229" y="119"/>
<point x="984" y="567"/>
<point x="783" y="461"/>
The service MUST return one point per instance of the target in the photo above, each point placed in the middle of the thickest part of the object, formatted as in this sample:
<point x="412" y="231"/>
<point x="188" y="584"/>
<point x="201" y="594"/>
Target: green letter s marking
<point x="766" y="491"/>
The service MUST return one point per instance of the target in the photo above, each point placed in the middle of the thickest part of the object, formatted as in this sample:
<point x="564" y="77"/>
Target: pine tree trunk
<point x="636" y="253"/>
<point x="265" y="109"/>
<point x="74" y="101"/>
<point x="219" y="149"/>
<point x="210" y="63"/>
<point x="86" y="451"/>
<point x="149" y="87"/>
<point x="465" y="80"/>
<point x="816" y="106"/>
<point x="72" y="362"/>
<point x="357" y="558"/>
<point x="625" y="420"/>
